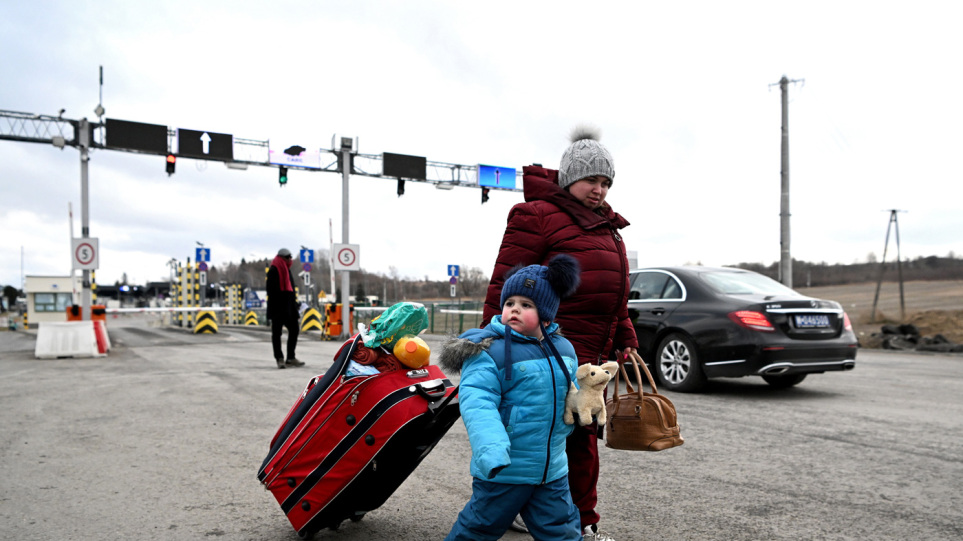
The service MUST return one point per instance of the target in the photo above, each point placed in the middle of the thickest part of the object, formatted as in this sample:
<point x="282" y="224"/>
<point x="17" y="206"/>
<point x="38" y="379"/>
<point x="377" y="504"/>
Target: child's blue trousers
<point x="547" y="510"/>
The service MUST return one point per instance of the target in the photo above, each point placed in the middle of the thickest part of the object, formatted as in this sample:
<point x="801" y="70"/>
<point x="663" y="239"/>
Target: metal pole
<point x="785" y="257"/>
<point x="334" y="289"/>
<point x="83" y="137"/>
<point x="345" y="275"/>
<point x="73" y="273"/>
<point x="882" y="265"/>
<point x="899" y="270"/>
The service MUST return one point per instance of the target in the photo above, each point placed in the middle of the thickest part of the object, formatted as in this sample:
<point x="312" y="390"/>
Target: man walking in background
<point x="282" y="307"/>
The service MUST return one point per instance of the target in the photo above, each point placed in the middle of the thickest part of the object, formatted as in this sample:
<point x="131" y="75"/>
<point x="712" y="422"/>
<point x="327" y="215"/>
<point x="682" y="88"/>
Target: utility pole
<point x="83" y="137"/>
<point x="346" y="146"/>
<point x="899" y="266"/>
<point x="333" y="290"/>
<point x="785" y="255"/>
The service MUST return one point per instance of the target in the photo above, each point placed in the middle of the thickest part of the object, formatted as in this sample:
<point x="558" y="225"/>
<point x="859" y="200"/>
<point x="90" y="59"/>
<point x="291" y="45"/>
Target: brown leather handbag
<point x="637" y="420"/>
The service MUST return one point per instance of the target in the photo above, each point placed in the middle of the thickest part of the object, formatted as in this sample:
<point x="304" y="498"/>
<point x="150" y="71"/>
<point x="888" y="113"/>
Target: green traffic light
<point x="283" y="176"/>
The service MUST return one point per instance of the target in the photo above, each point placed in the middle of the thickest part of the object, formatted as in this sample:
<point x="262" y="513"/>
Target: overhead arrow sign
<point x="496" y="177"/>
<point x="205" y="145"/>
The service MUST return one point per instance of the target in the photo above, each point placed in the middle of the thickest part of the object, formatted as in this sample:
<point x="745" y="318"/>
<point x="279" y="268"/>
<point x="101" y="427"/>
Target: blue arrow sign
<point x="307" y="256"/>
<point x="452" y="270"/>
<point x="202" y="254"/>
<point x="496" y="177"/>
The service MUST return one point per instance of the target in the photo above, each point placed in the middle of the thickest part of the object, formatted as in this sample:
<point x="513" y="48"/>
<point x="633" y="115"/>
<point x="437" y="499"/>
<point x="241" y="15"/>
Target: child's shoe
<point x="592" y="533"/>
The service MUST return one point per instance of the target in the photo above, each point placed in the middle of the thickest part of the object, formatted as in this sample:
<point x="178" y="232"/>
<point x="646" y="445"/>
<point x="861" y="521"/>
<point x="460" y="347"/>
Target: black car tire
<point x="677" y="364"/>
<point x="783" y="382"/>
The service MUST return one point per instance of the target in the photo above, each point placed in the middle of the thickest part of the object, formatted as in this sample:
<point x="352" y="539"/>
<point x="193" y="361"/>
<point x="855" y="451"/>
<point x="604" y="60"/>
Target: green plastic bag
<point x="399" y="320"/>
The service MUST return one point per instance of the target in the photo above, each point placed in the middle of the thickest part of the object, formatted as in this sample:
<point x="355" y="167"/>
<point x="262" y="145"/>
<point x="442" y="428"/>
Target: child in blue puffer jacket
<point x="515" y="374"/>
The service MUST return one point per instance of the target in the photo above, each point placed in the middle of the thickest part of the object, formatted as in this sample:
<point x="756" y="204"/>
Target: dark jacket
<point x="552" y="221"/>
<point x="280" y="304"/>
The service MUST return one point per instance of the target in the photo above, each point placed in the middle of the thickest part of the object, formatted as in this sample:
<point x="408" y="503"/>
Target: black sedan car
<point x="696" y="323"/>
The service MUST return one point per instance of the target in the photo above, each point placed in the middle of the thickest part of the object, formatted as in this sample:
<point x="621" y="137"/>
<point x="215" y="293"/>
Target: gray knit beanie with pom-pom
<point x="585" y="157"/>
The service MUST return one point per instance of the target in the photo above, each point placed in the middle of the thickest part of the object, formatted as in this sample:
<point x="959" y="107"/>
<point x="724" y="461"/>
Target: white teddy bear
<point x="587" y="400"/>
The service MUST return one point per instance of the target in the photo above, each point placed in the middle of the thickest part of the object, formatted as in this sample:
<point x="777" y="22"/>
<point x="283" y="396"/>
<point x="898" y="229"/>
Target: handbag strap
<point x="637" y="362"/>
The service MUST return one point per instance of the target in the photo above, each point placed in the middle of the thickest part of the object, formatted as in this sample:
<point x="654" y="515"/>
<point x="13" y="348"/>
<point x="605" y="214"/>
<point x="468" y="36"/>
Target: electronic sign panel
<point x="404" y="166"/>
<point x="494" y="176"/>
<point x="124" y="134"/>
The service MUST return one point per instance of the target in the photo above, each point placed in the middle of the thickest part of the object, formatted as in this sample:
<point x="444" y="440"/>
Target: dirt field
<point x="934" y="307"/>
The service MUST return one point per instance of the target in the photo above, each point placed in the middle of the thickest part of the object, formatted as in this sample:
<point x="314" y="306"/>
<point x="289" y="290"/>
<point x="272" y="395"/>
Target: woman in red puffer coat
<point x="565" y="213"/>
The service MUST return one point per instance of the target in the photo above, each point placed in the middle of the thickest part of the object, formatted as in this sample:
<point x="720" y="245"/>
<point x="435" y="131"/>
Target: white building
<point x="49" y="296"/>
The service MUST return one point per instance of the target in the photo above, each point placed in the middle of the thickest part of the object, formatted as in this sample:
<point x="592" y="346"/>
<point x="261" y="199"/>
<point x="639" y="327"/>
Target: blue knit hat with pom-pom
<point x="546" y="285"/>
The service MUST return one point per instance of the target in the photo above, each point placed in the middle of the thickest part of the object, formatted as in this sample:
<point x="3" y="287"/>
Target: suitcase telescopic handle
<point x="431" y="390"/>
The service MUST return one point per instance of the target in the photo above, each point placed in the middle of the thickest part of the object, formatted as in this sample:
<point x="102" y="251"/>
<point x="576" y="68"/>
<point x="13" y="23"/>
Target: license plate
<point x="813" y="321"/>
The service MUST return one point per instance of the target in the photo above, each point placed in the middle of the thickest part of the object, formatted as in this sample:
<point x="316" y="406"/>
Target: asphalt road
<point x="162" y="440"/>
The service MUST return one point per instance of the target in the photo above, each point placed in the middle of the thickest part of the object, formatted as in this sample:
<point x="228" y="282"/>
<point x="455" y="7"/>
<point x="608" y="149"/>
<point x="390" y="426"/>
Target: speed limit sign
<point x="346" y="257"/>
<point x="86" y="253"/>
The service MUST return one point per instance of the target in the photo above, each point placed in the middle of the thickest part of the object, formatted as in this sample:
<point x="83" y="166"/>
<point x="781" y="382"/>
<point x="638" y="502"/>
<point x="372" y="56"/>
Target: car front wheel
<point x="678" y="364"/>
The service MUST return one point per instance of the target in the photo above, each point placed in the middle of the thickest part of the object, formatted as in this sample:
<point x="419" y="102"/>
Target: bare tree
<point x="473" y="282"/>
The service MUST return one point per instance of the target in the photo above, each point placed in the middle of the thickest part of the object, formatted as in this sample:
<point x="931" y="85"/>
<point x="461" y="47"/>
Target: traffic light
<point x="485" y="195"/>
<point x="171" y="163"/>
<point x="283" y="176"/>
<point x="401" y="187"/>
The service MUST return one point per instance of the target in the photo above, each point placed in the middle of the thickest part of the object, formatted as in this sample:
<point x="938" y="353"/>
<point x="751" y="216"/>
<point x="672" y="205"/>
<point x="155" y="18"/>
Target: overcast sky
<point x="685" y="95"/>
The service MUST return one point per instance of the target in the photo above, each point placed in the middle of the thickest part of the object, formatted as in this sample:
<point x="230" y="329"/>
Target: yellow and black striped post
<point x="311" y="320"/>
<point x="181" y="292"/>
<point x="206" y="322"/>
<point x="250" y="318"/>
<point x="234" y="302"/>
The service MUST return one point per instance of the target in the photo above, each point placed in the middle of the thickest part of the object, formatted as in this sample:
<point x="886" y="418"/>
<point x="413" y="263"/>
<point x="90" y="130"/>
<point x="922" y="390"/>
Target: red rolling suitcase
<point x="350" y="441"/>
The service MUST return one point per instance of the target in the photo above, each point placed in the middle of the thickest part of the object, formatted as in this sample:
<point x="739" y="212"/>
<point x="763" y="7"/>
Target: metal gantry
<point x="86" y="135"/>
<point x="60" y="132"/>
<point x="31" y="128"/>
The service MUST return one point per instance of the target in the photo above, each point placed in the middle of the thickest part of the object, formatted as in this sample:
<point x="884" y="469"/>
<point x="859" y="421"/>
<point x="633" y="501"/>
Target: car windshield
<point x="744" y="283"/>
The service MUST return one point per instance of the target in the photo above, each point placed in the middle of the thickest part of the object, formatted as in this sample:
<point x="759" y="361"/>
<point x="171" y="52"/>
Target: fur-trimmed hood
<point x="456" y="350"/>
